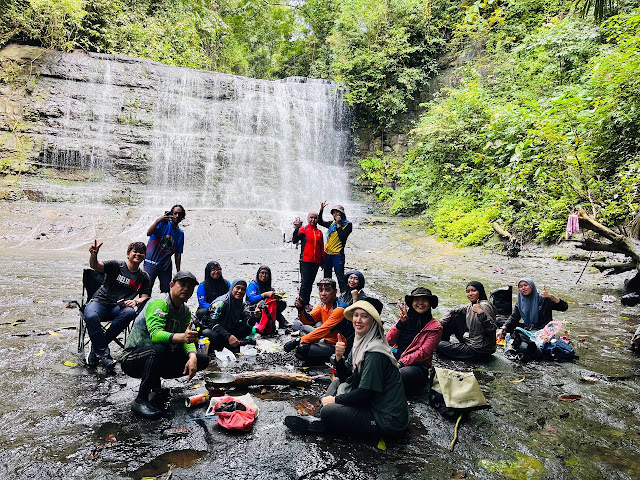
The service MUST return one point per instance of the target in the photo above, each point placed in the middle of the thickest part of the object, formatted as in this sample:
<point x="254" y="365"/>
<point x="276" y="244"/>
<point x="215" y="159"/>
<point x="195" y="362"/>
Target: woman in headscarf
<point x="227" y="323"/>
<point x="214" y="286"/>
<point x="260" y="289"/>
<point x="533" y="308"/>
<point x="367" y="399"/>
<point x="416" y="335"/>
<point x="473" y="324"/>
<point x="354" y="280"/>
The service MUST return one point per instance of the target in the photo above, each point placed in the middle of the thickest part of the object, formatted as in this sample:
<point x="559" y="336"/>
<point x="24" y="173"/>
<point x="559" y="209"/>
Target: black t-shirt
<point x="121" y="283"/>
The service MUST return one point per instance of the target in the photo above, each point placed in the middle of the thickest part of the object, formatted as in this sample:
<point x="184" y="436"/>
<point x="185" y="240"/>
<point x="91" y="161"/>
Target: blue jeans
<point x="335" y="262"/>
<point x="95" y="313"/>
<point x="163" y="275"/>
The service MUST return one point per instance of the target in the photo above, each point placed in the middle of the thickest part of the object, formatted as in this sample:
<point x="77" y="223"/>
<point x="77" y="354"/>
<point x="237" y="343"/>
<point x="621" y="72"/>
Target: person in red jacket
<point x="311" y="253"/>
<point x="417" y="335"/>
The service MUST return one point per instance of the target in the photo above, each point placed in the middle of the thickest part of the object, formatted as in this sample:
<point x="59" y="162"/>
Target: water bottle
<point x="507" y="341"/>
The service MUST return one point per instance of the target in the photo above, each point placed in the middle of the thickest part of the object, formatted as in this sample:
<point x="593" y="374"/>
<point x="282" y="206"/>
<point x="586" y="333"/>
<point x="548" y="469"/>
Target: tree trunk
<point x="617" y="243"/>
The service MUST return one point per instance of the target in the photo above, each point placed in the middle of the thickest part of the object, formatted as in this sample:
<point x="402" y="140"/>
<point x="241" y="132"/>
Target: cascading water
<point x="174" y="135"/>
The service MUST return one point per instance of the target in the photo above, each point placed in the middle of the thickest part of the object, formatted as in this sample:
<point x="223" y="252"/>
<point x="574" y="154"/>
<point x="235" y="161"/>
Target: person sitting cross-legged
<point x="126" y="285"/>
<point x="228" y="323"/>
<point x="367" y="399"/>
<point x="161" y="345"/>
<point x="317" y="346"/>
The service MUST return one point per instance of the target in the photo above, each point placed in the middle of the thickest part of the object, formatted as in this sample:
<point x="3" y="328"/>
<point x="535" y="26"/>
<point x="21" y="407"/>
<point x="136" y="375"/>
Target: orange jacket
<point x="330" y="317"/>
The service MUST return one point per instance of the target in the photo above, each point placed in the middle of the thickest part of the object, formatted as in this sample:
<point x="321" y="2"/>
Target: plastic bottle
<point x="507" y="341"/>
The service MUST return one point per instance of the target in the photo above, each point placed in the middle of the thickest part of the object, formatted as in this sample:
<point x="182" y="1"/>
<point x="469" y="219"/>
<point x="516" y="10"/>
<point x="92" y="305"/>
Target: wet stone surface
<point x="65" y="421"/>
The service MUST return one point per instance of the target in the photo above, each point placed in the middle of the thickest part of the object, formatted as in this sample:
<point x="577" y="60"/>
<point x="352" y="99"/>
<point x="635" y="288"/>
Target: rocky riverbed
<point x="61" y="420"/>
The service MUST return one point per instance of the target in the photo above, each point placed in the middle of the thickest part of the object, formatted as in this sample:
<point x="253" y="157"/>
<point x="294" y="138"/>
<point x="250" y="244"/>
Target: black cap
<point x="185" y="276"/>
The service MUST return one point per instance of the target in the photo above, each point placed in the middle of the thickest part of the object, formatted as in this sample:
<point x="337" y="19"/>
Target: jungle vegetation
<point x="543" y="116"/>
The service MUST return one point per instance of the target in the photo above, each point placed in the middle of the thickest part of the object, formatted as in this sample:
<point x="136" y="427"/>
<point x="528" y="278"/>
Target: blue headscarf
<point x="529" y="305"/>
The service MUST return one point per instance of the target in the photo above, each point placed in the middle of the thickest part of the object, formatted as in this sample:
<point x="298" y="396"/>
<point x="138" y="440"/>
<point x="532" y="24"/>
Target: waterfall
<point x="175" y="135"/>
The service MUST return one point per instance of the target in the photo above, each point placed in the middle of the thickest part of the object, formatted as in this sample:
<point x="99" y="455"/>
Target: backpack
<point x="501" y="299"/>
<point x="559" y="350"/>
<point x="267" y="324"/>
<point x="524" y="346"/>
<point x="453" y="392"/>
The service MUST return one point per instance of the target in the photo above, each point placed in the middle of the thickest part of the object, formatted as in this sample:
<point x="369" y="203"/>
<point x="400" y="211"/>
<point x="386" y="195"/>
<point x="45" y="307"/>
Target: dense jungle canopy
<point x="542" y="117"/>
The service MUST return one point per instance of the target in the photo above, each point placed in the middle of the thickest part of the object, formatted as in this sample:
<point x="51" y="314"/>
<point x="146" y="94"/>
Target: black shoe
<point x="92" y="359"/>
<point x="145" y="409"/>
<point x="108" y="363"/>
<point x="159" y="399"/>
<point x="304" y="424"/>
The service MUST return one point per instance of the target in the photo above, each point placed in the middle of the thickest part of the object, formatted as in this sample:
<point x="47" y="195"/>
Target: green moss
<point x="523" y="467"/>
<point x="559" y="256"/>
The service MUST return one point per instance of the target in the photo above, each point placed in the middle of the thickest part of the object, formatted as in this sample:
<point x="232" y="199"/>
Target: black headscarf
<point x="263" y="286"/>
<point x="417" y="319"/>
<point x="234" y="309"/>
<point x="213" y="287"/>
<point x="480" y="288"/>
<point x="346" y="296"/>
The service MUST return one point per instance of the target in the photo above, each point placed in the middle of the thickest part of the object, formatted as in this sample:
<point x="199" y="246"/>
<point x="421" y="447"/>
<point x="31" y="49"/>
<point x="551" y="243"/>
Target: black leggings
<point x="415" y="379"/>
<point x="153" y="362"/>
<point x="348" y="420"/>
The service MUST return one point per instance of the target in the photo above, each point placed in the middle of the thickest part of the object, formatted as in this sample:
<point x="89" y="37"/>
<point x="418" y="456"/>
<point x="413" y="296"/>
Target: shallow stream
<point x="65" y="421"/>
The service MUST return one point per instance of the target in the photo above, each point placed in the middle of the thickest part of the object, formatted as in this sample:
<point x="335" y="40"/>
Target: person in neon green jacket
<point x="161" y="345"/>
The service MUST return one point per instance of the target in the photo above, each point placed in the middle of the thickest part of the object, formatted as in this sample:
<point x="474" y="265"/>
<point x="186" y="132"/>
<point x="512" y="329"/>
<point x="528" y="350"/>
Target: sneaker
<point x="145" y="409"/>
<point x="92" y="359"/>
<point x="108" y="363"/>
<point x="304" y="424"/>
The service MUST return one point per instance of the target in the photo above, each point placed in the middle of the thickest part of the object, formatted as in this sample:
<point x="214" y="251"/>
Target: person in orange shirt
<point x="317" y="346"/>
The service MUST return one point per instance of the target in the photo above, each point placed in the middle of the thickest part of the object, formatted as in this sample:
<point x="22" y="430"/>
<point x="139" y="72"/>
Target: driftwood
<point x="514" y="244"/>
<point x="610" y="241"/>
<point x="247" y="379"/>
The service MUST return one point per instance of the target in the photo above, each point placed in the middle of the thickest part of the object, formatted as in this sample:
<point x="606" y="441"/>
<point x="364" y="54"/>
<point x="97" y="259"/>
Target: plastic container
<point x="203" y="345"/>
<point x="507" y="341"/>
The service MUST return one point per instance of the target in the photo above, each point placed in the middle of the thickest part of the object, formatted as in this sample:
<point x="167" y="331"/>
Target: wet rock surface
<point x="65" y="421"/>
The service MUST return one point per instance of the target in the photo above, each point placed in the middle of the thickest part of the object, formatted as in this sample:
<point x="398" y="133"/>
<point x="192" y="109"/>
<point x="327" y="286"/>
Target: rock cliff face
<point x="104" y="128"/>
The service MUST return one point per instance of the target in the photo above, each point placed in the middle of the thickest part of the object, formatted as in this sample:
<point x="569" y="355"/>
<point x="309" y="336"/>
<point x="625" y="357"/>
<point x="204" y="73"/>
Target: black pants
<point x="315" y="353"/>
<point x="153" y="362"/>
<point x="308" y="272"/>
<point x="458" y="351"/>
<point x="348" y="420"/>
<point x="415" y="379"/>
<point x="219" y="341"/>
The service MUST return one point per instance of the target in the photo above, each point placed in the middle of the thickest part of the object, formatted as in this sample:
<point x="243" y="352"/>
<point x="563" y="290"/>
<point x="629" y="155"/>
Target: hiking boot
<point x="145" y="410"/>
<point x="108" y="363"/>
<point x="92" y="359"/>
<point x="304" y="424"/>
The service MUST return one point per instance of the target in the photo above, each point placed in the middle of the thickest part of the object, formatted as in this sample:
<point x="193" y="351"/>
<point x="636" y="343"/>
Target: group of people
<point x="375" y="369"/>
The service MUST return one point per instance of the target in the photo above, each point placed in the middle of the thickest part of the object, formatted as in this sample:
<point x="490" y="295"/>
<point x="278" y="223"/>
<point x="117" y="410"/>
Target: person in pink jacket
<point x="416" y="335"/>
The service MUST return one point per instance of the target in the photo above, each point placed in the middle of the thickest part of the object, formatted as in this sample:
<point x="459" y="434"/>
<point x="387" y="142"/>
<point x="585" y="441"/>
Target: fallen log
<point x="514" y="245"/>
<point x="617" y="243"/>
<point x="246" y="379"/>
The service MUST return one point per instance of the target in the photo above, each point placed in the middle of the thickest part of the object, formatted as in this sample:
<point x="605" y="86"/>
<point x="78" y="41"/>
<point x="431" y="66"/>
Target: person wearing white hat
<point x="368" y="397"/>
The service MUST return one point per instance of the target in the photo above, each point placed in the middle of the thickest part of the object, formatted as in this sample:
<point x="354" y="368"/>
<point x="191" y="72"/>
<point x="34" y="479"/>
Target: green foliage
<point x="177" y="32"/>
<point x="550" y="126"/>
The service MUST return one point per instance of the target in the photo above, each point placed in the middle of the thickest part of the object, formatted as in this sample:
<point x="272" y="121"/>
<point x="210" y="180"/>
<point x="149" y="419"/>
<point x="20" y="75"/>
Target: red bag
<point x="237" y="420"/>
<point x="267" y="324"/>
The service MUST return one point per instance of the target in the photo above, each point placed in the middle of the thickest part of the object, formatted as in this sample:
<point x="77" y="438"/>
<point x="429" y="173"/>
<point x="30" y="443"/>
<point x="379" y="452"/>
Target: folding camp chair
<point x="91" y="282"/>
